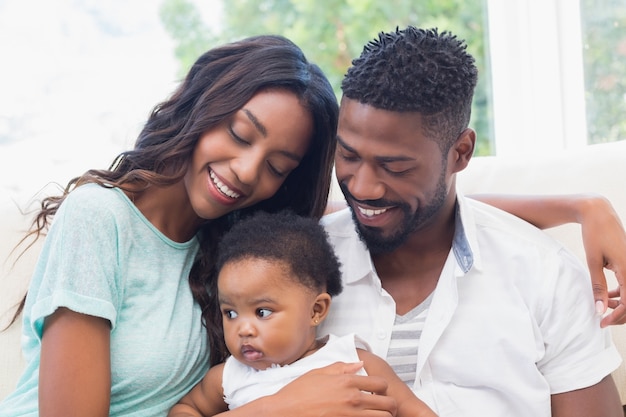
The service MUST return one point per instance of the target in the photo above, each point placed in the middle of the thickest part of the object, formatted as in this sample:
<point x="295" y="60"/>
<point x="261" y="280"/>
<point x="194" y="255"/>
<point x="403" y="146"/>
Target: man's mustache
<point x="380" y="203"/>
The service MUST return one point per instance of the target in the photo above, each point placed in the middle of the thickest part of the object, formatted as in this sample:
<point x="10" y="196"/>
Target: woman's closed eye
<point x="238" y="139"/>
<point x="277" y="172"/>
<point x="274" y="168"/>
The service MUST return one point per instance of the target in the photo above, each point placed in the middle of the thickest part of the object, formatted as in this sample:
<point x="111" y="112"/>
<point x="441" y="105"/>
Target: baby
<point x="276" y="276"/>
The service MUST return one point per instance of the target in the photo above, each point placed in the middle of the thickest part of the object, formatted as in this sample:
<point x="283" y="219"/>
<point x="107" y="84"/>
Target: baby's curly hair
<point x="417" y="70"/>
<point x="298" y="241"/>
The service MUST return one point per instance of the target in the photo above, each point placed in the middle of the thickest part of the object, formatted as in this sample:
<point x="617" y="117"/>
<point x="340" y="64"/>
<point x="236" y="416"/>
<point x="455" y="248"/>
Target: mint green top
<point x="103" y="258"/>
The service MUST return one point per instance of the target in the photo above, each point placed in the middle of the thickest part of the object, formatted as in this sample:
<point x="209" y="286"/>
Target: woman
<point x="112" y="320"/>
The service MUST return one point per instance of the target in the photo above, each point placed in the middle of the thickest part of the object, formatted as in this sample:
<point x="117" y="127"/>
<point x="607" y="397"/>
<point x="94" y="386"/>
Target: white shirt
<point x="512" y="319"/>
<point x="242" y="383"/>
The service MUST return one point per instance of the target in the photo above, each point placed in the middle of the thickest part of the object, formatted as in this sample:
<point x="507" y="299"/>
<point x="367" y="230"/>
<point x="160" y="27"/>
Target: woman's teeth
<point x="222" y="187"/>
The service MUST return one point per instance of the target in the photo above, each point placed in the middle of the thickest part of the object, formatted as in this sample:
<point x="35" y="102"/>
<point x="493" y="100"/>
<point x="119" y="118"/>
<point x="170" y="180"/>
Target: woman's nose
<point x="247" y="168"/>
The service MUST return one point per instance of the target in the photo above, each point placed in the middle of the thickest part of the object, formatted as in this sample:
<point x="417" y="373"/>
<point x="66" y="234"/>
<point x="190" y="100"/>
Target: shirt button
<point x="381" y="334"/>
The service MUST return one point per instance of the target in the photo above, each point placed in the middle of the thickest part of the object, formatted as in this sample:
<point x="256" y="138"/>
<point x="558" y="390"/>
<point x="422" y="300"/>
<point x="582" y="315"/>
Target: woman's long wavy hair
<point x="220" y="83"/>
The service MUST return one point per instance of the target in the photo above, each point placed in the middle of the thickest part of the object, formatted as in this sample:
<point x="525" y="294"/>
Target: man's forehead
<point x="353" y="110"/>
<point x="364" y="120"/>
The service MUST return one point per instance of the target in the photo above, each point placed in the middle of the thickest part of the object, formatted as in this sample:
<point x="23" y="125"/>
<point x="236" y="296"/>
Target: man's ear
<point x="320" y="308"/>
<point x="462" y="150"/>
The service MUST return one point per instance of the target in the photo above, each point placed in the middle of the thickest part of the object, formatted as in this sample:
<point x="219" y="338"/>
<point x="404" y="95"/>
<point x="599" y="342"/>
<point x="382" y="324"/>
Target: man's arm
<point x="600" y="400"/>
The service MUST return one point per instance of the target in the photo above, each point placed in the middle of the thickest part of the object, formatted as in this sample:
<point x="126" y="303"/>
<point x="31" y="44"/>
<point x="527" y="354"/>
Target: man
<point x="479" y="312"/>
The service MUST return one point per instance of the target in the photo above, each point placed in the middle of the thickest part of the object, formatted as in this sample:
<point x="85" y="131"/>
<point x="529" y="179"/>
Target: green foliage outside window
<point x="604" y="51"/>
<point x="333" y="32"/>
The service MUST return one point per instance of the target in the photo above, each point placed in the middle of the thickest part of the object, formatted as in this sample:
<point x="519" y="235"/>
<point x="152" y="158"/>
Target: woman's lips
<point x="221" y="191"/>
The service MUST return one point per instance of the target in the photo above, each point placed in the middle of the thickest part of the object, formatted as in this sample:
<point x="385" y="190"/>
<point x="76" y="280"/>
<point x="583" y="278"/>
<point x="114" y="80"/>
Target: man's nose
<point x="364" y="184"/>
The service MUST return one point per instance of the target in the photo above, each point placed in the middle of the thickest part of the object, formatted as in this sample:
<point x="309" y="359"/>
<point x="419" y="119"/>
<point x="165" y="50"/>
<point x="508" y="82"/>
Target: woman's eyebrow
<point x="259" y="126"/>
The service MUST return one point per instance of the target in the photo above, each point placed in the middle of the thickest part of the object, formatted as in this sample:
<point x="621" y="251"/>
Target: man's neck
<point x="411" y="272"/>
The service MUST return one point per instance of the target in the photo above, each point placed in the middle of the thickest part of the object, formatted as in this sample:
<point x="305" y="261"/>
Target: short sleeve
<point x="578" y="353"/>
<point x="78" y="265"/>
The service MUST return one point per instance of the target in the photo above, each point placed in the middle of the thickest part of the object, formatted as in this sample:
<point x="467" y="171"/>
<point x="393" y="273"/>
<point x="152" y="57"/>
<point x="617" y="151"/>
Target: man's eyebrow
<point x="345" y="145"/>
<point x="259" y="126"/>
<point x="380" y="159"/>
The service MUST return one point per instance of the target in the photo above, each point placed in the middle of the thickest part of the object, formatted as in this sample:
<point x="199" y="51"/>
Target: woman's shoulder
<point x="95" y="196"/>
<point x="94" y="202"/>
<point x="97" y="191"/>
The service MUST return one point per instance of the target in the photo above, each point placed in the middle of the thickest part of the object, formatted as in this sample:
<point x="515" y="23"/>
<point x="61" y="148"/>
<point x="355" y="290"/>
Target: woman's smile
<point x="229" y="194"/>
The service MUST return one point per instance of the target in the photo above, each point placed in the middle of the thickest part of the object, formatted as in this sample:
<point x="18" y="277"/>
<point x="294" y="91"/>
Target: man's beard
<point x="373" y="237"/>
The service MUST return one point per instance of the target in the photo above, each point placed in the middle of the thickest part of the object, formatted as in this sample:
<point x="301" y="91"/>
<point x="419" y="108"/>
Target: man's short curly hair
<point x="417" y="70"/>
<point x="300" y="242"/>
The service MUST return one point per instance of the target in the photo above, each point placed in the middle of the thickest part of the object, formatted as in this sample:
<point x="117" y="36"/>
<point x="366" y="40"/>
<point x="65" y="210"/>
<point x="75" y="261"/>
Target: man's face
<point x="393" y="177"/>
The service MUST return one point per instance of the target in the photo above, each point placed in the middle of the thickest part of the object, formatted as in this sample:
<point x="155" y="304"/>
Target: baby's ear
<point x="320" y="308"/>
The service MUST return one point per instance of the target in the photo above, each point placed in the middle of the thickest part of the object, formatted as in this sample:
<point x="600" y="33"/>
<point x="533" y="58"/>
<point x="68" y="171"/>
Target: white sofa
<point x="598" y="168"/>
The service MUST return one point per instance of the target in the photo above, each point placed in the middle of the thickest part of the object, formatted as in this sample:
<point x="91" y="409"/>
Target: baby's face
<point x="267" y="314"/>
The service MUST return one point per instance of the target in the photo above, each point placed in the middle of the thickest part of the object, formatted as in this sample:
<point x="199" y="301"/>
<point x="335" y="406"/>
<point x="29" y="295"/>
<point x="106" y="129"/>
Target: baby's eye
<point x="231" y="314"/>
<point x="263" y="312"/>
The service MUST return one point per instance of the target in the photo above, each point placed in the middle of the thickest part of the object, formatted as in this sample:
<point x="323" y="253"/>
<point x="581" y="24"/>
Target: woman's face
<point x="246" y="158"/>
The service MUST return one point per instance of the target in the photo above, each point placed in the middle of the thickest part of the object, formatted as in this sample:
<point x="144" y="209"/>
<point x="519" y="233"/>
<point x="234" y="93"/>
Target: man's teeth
<point x="370" y="212"/>
<point x="222" y="187"/>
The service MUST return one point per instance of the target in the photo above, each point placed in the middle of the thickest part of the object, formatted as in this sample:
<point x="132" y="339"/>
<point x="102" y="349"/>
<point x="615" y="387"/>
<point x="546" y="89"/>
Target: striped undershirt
<point x="405" y="338"/>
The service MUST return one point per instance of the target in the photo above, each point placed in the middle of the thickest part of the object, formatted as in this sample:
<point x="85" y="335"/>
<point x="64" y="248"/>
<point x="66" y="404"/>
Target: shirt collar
<point x="465" y="242"/>
<point x="460" y="246"/>
<point x="353" y="254"/>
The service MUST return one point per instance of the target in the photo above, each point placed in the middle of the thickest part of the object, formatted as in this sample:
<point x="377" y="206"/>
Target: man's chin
<point x="375" y="242"/>
<point x="374" y="239"/>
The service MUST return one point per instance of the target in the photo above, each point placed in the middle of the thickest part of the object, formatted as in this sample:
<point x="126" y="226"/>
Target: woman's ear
<point x="462" y="150"/>
<point x="320" y="308"/>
